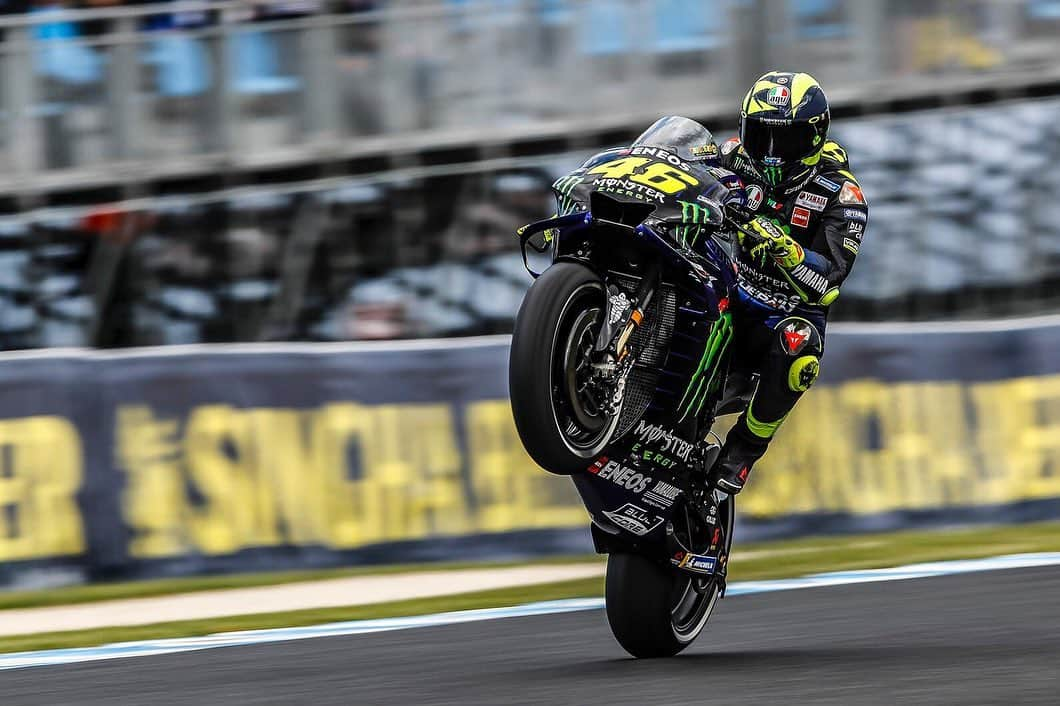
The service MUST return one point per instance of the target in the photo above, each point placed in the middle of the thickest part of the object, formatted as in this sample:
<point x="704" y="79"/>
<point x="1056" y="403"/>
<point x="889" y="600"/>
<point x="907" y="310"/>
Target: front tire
<point x="559" y="426"/>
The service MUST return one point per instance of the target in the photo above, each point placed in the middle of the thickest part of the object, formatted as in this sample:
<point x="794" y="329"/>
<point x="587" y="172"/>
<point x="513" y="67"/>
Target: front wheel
<point x="561" y="407"/>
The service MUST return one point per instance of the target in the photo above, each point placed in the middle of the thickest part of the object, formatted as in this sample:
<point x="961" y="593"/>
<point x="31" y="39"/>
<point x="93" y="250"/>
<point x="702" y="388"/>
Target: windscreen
<point x="684" y="137"/>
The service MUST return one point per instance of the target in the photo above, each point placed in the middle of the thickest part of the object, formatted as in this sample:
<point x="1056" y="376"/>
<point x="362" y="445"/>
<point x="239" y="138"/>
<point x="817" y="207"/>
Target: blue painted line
<point x="21" y="660"/>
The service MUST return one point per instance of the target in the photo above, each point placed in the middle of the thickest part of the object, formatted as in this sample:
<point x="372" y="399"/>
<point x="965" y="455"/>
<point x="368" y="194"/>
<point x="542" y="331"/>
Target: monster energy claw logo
<point x="564" y="187"/>
<point x="772" y="174"/>
<point x="694" y="214"/>
<point x="700" y="385"/>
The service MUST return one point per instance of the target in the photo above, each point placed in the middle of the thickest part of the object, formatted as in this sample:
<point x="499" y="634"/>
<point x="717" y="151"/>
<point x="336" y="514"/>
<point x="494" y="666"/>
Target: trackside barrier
<point x="185" y="460"/>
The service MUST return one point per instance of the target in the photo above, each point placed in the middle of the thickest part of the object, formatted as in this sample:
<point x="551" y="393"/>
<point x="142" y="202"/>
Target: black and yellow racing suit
<point x="780" y="316"/>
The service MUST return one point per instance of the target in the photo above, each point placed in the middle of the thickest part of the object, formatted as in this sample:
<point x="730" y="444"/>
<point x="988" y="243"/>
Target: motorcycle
<point x="617" y="370"/>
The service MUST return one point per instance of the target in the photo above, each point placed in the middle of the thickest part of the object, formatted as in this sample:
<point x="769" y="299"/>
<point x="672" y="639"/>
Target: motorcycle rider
<point x="809" y="215"/>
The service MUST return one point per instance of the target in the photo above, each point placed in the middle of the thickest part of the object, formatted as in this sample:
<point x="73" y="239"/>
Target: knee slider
<point x="803" y="372"/>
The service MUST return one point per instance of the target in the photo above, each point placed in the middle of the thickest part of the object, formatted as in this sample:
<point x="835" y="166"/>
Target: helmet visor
<point x="784" y="143"/>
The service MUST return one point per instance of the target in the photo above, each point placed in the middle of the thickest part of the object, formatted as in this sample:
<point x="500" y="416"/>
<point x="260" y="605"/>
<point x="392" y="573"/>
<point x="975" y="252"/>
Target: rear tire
<point x="561" y="311"/>
<point x="654" y="610"/>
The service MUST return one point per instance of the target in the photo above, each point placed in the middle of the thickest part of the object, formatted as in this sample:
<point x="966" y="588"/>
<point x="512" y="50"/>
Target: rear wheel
<point x="655" y="610"/>
<point x="561" y="406"/>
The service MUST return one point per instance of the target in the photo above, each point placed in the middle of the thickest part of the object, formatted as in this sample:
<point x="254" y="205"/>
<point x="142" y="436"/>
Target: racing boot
<point x="739" y="455"/>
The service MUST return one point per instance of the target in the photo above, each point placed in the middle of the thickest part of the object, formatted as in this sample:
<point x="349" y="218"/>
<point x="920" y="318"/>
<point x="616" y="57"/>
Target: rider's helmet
<point x="684" y="137"/>
<point x="784" y="125"/>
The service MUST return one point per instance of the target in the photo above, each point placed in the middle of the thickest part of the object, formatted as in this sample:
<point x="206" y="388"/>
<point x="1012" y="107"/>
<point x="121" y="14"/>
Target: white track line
<point x="145" y="648"/>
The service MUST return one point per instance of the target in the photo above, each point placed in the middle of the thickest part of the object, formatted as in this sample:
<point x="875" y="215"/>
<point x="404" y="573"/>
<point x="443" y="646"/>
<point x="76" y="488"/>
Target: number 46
<point x="658" y="175"/>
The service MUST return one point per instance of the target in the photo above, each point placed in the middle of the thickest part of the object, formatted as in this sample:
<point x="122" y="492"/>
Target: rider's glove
<point x="776" y="242"/>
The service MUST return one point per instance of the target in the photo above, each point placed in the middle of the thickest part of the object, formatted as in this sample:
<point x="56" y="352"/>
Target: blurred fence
<point x="170" y="461"/>
<point x="144" y="91"/>
<point x="962" y="222"/>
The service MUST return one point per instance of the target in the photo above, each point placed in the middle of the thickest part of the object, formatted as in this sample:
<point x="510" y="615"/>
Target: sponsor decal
<point x="856" y="228"/>
<point x="782" y="79"/>
<point x="662" y="495"/>
<point x="620" y="475"/>
<point x="708" y="150"/>
<point x="810" y="278"/>
<point x="633" y="519"/>
<point x="851" y="245"/>
<point x="827" y="183"/>
<point x="625" y="187"/>
<point x="814" y="202"/>
<point x="795" y="337"/>
<point x="800" y="217"/>
<point x="655" y="457"/>
<point x="660" y="154"/>
<point x="755" y="195"/>
<point x="776" y="300"/>
<point x="775" y="121"/>
<point x="671" y="443"/>
<point x="852" y="214"/>
<point x="779" y="96"/>
<point x="698" y="563"/>
<point x="768" y="225"/>
<point x="619" y="303"/>
<point x="731" y="144"/>
<point x="851" y="194"/>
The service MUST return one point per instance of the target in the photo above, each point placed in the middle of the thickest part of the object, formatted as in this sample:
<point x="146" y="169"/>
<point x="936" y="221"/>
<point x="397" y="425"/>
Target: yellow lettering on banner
<point x="439" y="503"/>
<point x="870" y="447"/>
<point x="347" y="519"/>
<point x="221" y="509"/>
<point x="40" y="475"/>
<point x="999" y="459"/>
<point x="1045" y="438"/>
<point x="348" y="475"/>
<point x="1020" y="428"/>
<point x="148" y="450"/>
<point x="291" y="492"/>
<point x="510" y="491"/>
<point x="406" y="478"/>
<point x="414" y="471"/>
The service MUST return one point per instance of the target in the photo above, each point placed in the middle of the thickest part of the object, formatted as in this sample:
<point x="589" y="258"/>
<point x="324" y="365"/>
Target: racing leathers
<point x="810" y="230"/>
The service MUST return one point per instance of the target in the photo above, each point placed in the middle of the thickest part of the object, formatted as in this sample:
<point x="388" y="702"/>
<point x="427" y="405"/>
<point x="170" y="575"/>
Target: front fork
<point x="624" y="317"/>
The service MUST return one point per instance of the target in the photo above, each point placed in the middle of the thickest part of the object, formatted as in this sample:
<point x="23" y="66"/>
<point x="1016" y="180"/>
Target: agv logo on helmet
<point x="779" y="96"/>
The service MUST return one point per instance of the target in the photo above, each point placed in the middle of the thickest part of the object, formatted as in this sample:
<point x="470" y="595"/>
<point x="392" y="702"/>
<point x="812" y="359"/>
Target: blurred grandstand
<point x="185" y="172"/>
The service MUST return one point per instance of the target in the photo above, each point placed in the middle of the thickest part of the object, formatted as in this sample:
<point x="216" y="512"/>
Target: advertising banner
<point x="176" y="460"/>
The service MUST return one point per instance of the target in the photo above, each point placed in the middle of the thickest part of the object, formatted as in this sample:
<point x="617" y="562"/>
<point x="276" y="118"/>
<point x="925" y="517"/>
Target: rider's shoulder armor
<point x="834" y="156"/>
<point x="836" y="180"/>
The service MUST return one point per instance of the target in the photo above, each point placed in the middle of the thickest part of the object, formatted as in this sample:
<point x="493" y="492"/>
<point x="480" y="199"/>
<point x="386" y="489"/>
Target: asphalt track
<point x="980" y="638"/>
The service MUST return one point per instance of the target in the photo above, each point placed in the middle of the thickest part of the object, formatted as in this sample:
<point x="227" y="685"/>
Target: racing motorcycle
<point x="617" y="370"/>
